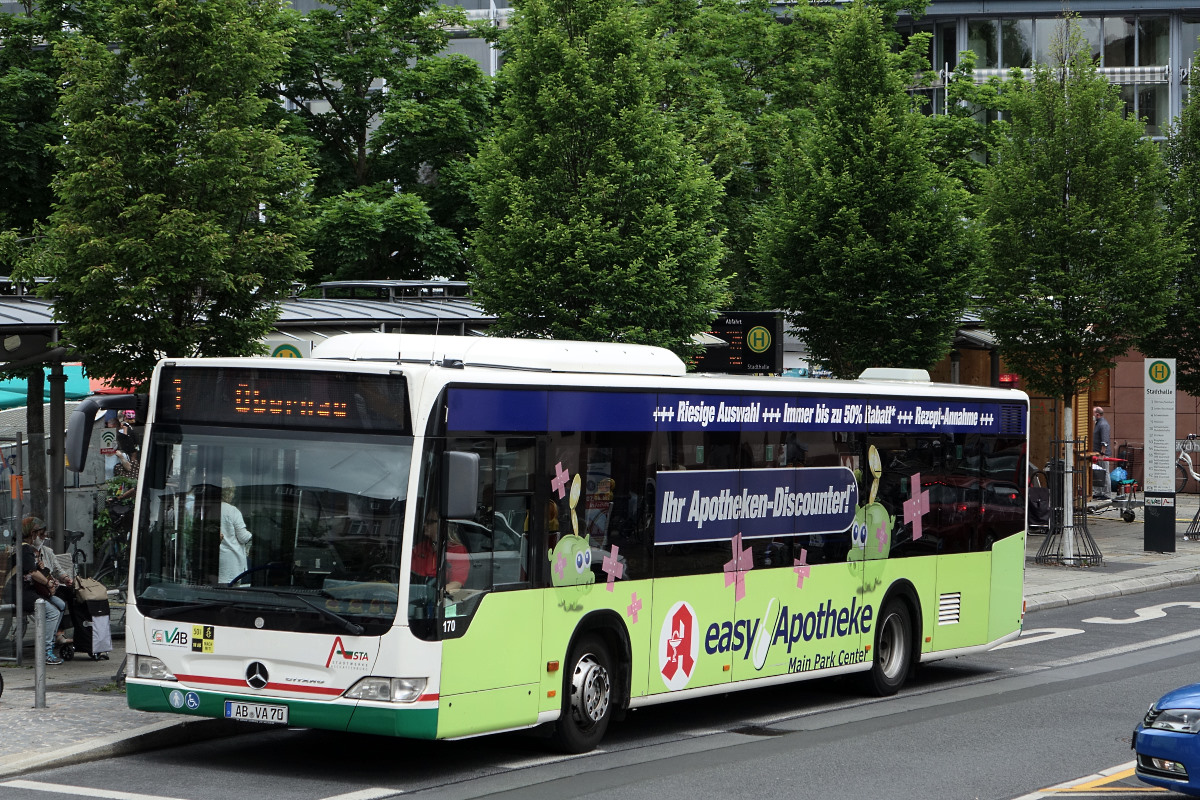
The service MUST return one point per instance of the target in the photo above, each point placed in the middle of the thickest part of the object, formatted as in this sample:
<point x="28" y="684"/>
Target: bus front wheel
<point x="893" y="649"/>
<point x="588" y="700"/>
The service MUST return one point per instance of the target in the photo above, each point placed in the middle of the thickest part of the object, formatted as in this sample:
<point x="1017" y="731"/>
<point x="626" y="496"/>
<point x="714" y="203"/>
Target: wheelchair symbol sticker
<point x="176" y="698"/>
<point x="193" y="701"/>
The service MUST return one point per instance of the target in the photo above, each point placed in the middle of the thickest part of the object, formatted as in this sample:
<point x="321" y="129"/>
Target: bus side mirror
<point x="460" y="485"/>
<point x="79" y="429"/>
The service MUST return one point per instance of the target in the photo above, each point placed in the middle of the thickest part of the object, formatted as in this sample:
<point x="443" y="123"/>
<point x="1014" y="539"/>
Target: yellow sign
<point x="286" y="351"/>
<point x="758" y="339"/>
<point x="1160" y="371"/>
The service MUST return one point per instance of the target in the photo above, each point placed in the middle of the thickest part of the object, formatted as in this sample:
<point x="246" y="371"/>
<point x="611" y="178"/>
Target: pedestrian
<point x="1101" y="444"/>
<point x="36" y="582"/>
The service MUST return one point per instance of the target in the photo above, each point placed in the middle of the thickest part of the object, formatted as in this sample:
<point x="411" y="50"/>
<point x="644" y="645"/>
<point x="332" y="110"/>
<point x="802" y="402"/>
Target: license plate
<point x="256" y="712"/>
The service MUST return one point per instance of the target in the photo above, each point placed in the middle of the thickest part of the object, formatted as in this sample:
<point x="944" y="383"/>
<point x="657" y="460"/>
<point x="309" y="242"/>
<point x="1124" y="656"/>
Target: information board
<point x="1159" y="395"/>
<point x="753" y="344"/>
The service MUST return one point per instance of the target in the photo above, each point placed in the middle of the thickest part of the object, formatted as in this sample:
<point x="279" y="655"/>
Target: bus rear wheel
<point x="893" y="649"/>
<point x="588" y="697"/>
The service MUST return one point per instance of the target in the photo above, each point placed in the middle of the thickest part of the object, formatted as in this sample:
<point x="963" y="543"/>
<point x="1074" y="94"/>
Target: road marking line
<point x="82" y="791"/>
<point x="1035" y="635"/>
<point x="374" y="793"/>
<point x="1143" y="614"/>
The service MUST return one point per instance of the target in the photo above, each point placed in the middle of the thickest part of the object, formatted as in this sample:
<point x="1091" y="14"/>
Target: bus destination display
<point x="270" y="397"/>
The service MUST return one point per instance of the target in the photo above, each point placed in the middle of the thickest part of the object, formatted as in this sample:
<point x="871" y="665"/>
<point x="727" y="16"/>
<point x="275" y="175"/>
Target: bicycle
<point x="1184" y="470"/>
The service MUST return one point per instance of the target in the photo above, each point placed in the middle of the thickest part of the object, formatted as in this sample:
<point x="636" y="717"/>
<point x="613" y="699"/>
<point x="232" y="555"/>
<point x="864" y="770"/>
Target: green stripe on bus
<point x="418" y="723"/>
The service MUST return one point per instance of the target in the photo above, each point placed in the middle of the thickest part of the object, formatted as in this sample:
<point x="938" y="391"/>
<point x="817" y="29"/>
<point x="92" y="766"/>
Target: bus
<point x="441" y="537"/>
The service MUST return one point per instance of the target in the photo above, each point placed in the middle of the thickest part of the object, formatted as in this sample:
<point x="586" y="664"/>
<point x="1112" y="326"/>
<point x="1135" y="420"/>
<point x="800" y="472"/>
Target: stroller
<point x="90" y="617"/>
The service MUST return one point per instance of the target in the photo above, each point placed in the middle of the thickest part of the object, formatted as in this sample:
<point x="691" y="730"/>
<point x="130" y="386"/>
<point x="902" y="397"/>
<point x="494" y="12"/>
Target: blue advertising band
<point x="539" y="410"/>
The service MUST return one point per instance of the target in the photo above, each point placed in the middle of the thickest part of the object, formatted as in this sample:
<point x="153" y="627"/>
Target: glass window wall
<point x="1119" y="42"/>
<point x="1016" y="43"/>
<point x="981" y="37"/>
<point x="1154" y="41"/>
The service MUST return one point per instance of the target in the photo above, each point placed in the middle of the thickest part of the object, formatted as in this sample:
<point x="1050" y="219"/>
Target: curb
<point x="1048" y="600"/>
<point x="167" y="733"/>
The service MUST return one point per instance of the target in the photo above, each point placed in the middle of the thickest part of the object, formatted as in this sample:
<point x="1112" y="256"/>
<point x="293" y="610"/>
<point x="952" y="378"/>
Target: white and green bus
<point x="439" y="537"/>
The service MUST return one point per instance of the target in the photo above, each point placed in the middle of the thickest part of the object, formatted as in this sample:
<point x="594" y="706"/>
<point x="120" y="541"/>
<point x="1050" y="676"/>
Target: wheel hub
<point x="591" y="691"/>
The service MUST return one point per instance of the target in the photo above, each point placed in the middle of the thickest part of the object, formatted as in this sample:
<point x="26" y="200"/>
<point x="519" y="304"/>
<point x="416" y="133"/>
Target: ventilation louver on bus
<point x="1012" y="419"/>
<point x="950" y="608"/>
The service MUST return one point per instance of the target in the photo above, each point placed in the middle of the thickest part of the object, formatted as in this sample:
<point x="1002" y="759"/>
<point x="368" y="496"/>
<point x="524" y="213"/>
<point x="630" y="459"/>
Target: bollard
<point x="39" y="653"/>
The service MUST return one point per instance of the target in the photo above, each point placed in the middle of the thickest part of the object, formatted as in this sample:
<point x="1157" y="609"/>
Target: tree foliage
<point x="864" y="244"/>
<point x="1080" y="256"/>
<point x="179" y="213"/>
<point x="739" y="81"/>
<point x="596" y="218"/>
<point x="393" y="120"/>
<point x="1177" y="338"/>
<point x="28" y="96"/>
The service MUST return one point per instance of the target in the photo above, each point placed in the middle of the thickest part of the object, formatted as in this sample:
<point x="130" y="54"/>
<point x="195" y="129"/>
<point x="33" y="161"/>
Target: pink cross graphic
<point x="736" y="568"/>
<point x="916" y="506"/>
<point x="635" y="605"/>
<point x="560" y="564"/>
<point x="801" y="568"/>
<point x="613" y="568"/>
<point x="881" y="534"/>
<point x="559" y="482"/>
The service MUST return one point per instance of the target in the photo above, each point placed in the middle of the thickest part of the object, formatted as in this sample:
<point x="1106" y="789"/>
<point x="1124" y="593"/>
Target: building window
<point x="1189" y="36"/>
<point x="1118" y="42"/>
<point x="1016" y="43"/>
<point x="947" y="41"/>
<point x="1154" y="41"/>
<point x="981" y="37"/>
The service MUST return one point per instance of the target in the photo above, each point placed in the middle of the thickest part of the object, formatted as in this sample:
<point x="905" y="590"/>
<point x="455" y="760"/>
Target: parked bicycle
<point x="1184" y="469"/>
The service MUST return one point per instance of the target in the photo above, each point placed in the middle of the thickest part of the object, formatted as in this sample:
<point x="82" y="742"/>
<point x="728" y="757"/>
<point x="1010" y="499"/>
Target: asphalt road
<point x="1058" y="706"/>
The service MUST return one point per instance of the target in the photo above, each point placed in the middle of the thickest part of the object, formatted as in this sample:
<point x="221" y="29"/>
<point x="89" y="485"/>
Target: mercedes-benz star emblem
<point x="256" y="675"/>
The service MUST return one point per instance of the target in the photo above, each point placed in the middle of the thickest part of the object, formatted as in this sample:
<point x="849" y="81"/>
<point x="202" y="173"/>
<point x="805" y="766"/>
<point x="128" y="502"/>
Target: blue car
<point x="1166" y="741"/>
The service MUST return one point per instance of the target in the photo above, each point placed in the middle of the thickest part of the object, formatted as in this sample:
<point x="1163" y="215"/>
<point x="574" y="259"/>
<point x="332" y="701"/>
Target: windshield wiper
<point x="162" y="612"/>
<point x="348" y="626"/>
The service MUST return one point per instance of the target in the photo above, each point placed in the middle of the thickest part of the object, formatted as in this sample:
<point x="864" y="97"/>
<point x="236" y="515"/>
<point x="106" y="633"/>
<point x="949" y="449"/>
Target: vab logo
<point x="172" y="638"/>
<point x="347" y="658"/>
<point x="678" y="646"/>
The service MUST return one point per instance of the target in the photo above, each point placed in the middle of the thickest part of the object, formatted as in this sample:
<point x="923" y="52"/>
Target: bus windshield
<point x="280" y="530"/>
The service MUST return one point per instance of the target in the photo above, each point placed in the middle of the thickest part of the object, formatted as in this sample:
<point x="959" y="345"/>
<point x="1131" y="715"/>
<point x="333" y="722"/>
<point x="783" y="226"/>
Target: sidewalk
<point x="86" y="717"/>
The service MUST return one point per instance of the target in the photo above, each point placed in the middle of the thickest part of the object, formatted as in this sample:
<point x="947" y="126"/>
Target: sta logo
<point x="346" y="658"/>
<point x="678" y="646"/>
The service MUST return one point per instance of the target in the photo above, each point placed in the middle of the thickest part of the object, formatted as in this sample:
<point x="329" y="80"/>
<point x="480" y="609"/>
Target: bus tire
<point x="893" y="649"/>
<point x="588" y="696"/>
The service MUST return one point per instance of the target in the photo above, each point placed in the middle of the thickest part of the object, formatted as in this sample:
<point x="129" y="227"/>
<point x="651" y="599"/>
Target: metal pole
<point x="19" y="600"/>
<point x="58" y="424"/>
<point x="39" y="654"/>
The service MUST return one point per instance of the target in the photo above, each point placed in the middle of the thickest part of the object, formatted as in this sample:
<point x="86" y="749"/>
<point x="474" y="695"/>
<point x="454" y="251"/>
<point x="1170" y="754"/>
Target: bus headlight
<point x="387" y="690"/>
<point x="151" y="669"/>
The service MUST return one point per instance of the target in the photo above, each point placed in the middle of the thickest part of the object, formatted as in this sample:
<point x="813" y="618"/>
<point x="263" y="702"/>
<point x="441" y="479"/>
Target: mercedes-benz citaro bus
<point x="439" y="537"/>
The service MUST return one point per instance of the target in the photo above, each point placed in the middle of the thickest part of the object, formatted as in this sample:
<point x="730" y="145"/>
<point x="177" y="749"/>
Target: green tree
<point x="394" y="121"/>
<point x="179" y="213"/>
<point x="28" y="96"/>
<point x="1177" y="338"/>
<point x="864" y="244"/>
<point x="596" y="218"/>
<point x="740" y="78"/>
<point x="1080" y="257"/>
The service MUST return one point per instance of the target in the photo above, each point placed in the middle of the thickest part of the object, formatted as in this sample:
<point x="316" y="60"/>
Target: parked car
<point x="1167" y="742"/>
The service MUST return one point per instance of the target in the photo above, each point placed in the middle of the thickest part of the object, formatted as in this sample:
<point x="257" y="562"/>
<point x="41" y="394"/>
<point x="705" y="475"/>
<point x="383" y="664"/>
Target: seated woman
<point x="37" y="583"/>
